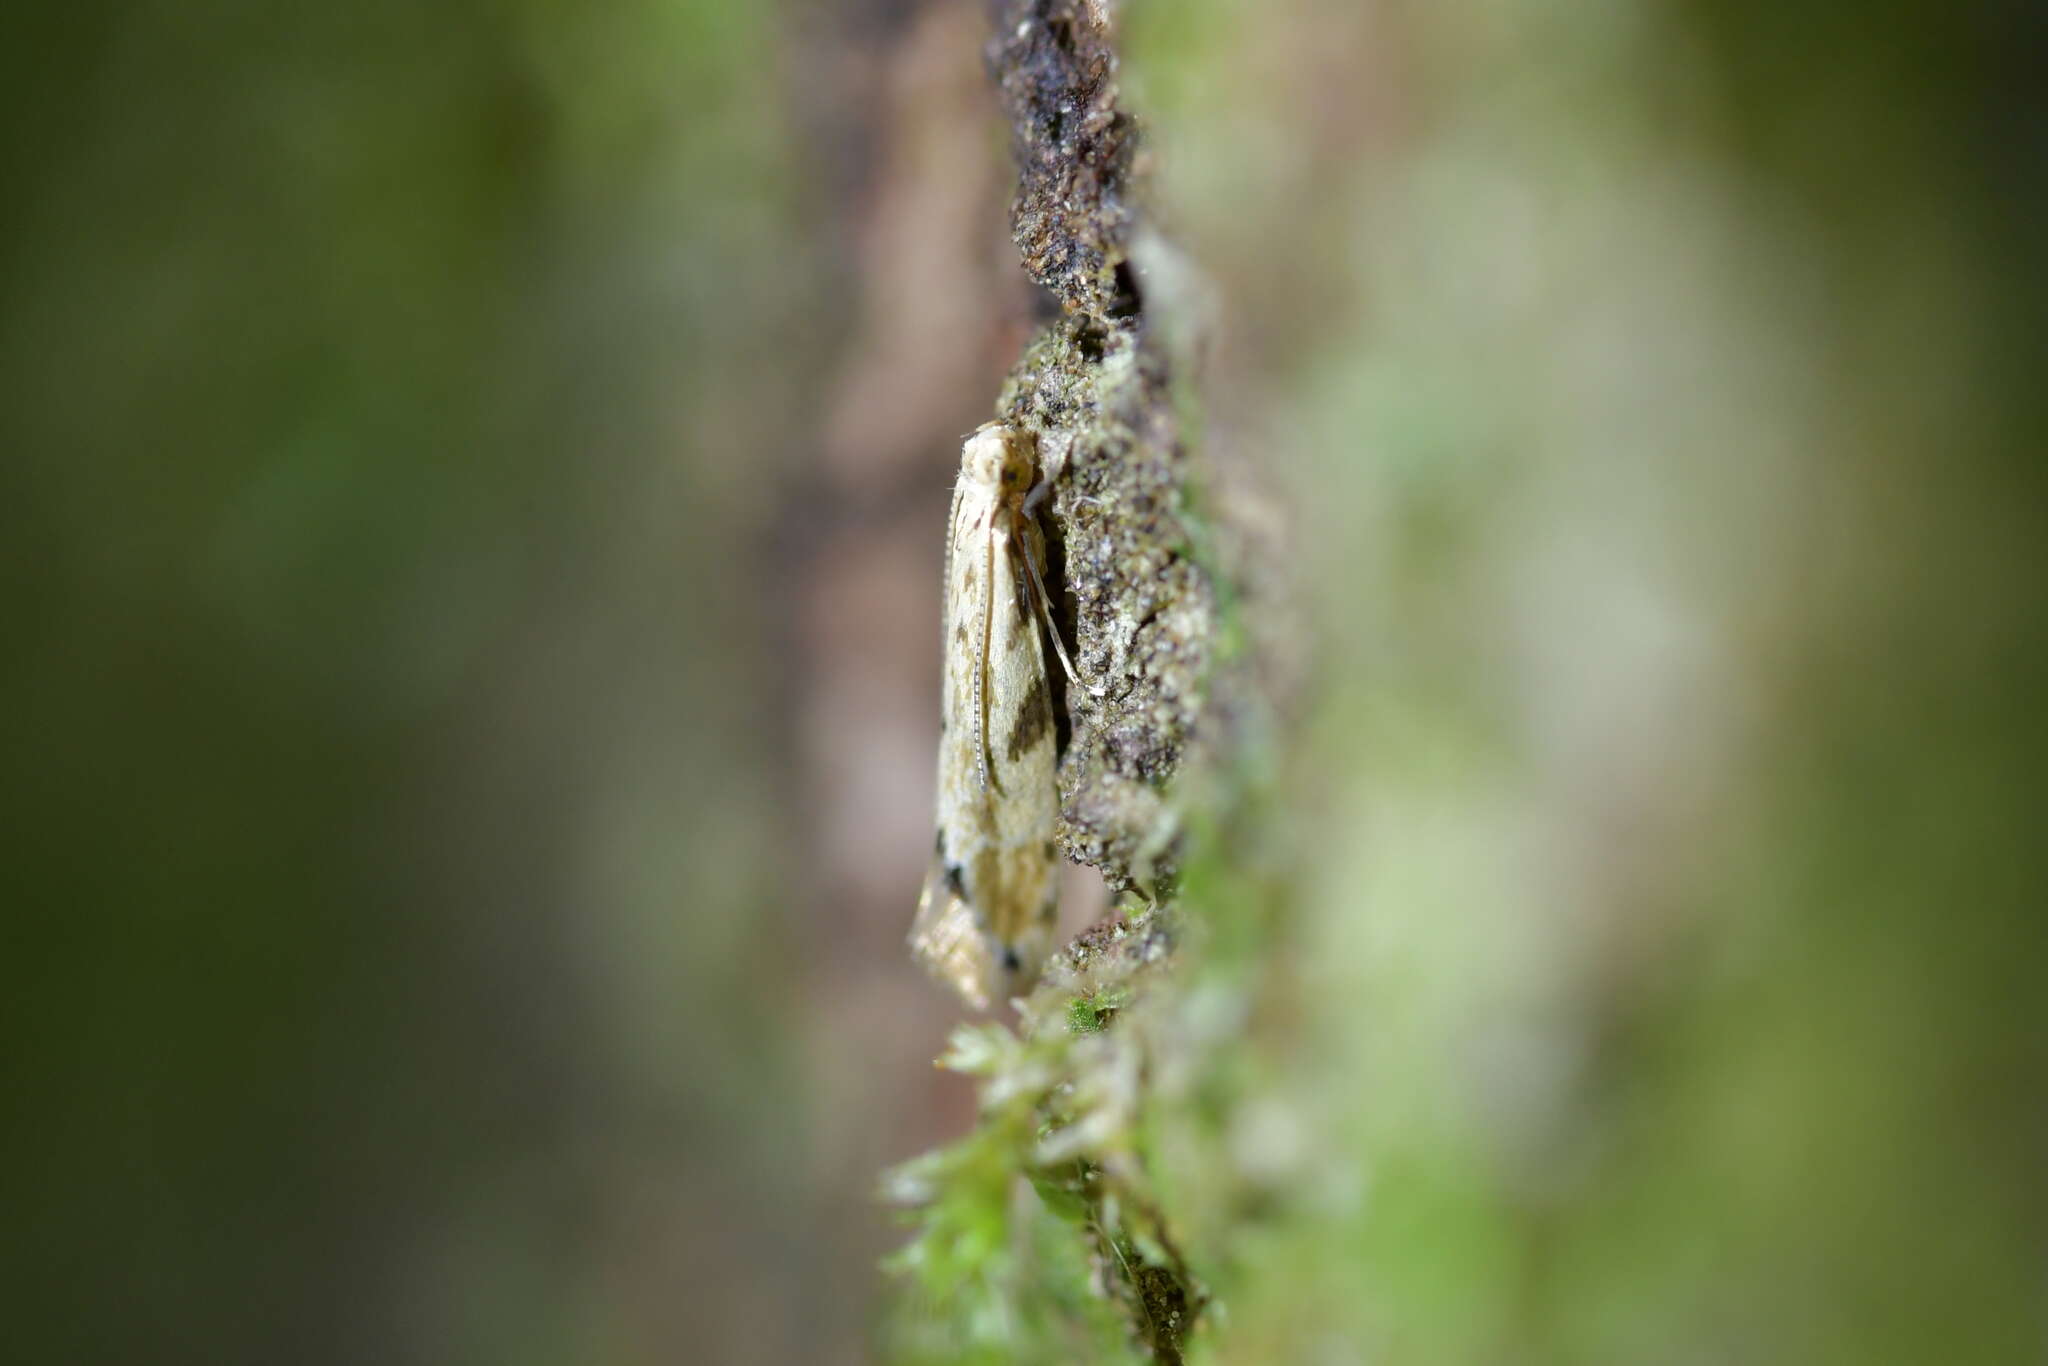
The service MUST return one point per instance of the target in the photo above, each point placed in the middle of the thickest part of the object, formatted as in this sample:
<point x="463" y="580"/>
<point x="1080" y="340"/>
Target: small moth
<point x="986" y="917"/>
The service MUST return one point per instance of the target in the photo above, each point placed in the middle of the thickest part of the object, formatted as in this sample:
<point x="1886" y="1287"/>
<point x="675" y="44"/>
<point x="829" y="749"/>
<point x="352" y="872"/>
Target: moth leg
<point x="1042" y="490"/>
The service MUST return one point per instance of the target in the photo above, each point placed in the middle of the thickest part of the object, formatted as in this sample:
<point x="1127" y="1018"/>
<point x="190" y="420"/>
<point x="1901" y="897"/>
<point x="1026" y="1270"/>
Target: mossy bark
<point x="1098" y="386"/>
<point x="1101" y="387"/>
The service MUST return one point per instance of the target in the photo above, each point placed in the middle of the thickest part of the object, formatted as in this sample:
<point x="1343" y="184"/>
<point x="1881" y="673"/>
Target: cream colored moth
<point x="986" y="918"/>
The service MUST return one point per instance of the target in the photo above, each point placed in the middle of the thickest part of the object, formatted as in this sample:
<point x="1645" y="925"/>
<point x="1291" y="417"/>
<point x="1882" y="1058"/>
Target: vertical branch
<point x="1065" y="1100"/>
<point x="1098" y="386"/>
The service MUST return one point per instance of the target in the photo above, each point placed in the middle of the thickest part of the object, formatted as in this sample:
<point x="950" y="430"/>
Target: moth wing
<point x="946" y="571"/>
<point x="966" y="568"/>
<point x="948" y="940"/>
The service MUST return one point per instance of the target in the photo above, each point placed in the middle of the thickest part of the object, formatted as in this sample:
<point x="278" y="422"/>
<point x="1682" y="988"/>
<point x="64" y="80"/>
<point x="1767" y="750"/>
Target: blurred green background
<point x="470" y="501"/>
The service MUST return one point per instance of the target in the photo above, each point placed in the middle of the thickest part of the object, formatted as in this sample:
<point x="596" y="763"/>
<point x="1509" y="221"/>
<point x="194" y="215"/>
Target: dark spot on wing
<point x="959" y="633"/>
<point x="956" y="880"/>
<point x="1034" y="719"/>
<point x="1050" y="851"/>
<point x="1011" y="963"/>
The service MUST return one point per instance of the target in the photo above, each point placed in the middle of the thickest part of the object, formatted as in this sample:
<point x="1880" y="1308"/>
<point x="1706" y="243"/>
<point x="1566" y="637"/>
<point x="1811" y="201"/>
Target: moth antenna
<point x="1035" y="499"/>
<point x="1044" y="601"/>
<point x="982" y="757"/>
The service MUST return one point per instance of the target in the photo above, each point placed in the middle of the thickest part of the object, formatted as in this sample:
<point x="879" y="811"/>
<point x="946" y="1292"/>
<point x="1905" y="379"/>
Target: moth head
<point x="1000" y="458"/>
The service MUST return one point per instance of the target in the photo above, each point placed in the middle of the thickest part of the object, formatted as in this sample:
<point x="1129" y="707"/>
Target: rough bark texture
<point x="1097" y="386"/>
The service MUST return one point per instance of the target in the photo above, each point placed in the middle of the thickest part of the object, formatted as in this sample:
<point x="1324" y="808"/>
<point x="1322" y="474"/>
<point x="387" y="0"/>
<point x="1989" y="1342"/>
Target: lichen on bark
<point x="1098" y="386"/>
<point x="1064" y="1099"/>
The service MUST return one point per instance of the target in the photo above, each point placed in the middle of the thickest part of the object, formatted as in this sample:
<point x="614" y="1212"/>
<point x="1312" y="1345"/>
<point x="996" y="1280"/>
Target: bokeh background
<point x="470" y="504"/>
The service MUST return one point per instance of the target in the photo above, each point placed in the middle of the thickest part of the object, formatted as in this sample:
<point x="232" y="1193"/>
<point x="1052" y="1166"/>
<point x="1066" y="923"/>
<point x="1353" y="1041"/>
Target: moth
<point x="985" y="920"/>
